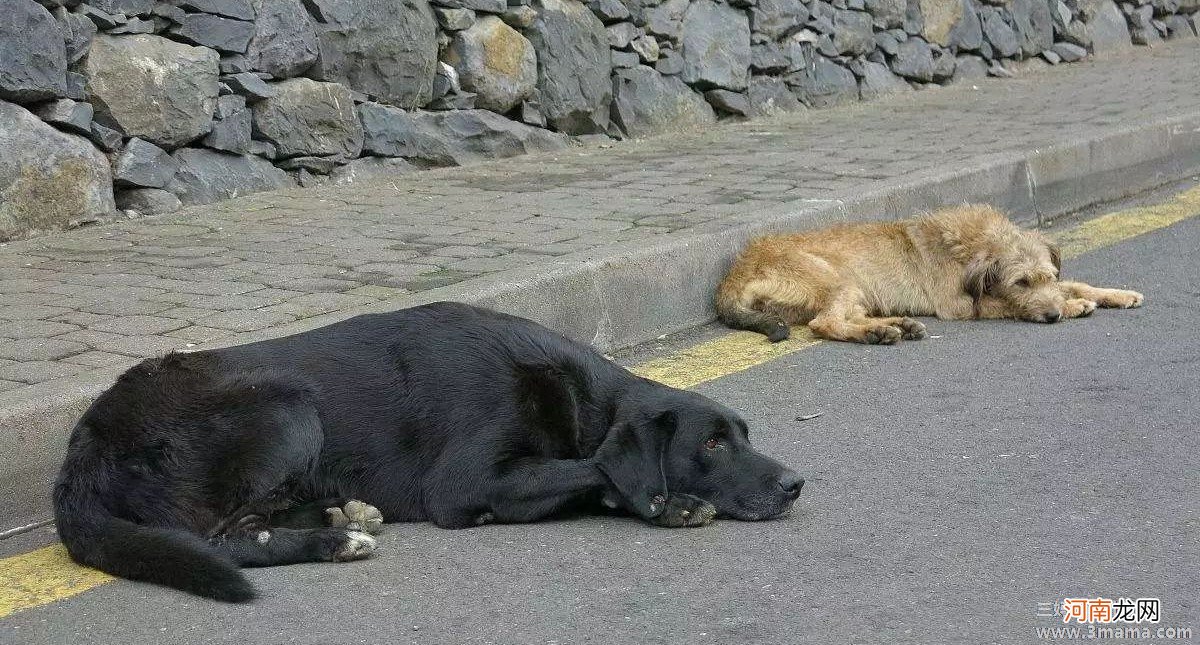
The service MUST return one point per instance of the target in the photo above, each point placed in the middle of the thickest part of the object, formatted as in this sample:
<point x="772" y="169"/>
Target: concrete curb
<point x="626" y="294"/>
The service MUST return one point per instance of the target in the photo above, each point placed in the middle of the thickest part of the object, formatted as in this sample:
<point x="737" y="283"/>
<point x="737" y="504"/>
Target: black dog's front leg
<point x="531" y="489"/>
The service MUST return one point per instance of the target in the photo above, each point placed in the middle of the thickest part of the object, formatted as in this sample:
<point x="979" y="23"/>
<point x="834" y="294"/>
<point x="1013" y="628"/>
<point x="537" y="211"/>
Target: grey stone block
<point x="250" y="86"/>
<point x="239" y="9"/>
<point x="358" y="34"/>
<point x="222" y="34"/>
<point x="715" y="44"/>
<point x="33" y="55"/>
<point x="147" y="201"/>
<point x="77" y="32"/>
<point x="726" y="102"/>
<point x="231" y="129"/>
<point x="67" y="114"/>
<point x="449" y="138"/>
<point x="309" y="118"/>
<point x="495" y="62"/>
<point x="284" y="43"/>
<point x="646" y="102"/>
<point x="176" y="87"/>
<point x="207" y="176"/>
<point x="47" y="177"/>
<point x="144" y="165"/>
<point x="573" y="66"/>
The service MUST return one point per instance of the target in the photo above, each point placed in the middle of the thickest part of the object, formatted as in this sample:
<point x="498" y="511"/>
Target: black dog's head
<point x="669" y="441"/>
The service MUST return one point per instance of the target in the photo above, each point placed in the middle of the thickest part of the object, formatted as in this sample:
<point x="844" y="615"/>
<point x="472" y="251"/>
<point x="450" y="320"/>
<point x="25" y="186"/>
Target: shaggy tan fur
<point x="860" y="282"/>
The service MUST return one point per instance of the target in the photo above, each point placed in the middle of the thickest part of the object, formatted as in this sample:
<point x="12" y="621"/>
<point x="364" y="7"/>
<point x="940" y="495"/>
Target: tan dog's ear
<point x="982" y="275"/>
<point x="1055" y="255"/>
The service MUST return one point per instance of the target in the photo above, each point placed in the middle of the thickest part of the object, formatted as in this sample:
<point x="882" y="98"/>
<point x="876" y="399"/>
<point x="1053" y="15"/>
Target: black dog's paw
<point x="355" y="545"/>
<point x="913" y="329"/>
<point x="355" y="516"/>
<point x="685" y="510"/>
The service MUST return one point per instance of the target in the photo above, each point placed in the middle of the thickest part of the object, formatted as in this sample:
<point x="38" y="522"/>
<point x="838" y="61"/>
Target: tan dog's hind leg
<point x="846" y="319"/>
<point x="1110" y="298"/>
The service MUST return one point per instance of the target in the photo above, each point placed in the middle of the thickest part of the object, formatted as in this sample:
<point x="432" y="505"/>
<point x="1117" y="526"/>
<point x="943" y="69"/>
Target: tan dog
<point x="859" y="282"/>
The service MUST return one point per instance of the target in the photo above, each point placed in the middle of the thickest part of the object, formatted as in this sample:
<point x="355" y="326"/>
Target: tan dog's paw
<point x="883" y="335"/>
<point x="1078" y="308"/>
<point x="1121" y="299"/>
<point x="913" y="330"/>
<point x="356" y="516"/>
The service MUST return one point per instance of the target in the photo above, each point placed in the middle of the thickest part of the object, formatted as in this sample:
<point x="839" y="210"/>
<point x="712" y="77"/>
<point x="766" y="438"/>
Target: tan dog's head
<point x="1020" y="274"/>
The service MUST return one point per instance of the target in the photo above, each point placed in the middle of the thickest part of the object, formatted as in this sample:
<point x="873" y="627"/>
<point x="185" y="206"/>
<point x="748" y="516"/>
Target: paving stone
<point x="467" y="252"/>
<point x="98" y="359"/>
<point x="34" y="328"/>
<point x="241" y="320"/>
<point x="187" y="313"/>
<point x="498" y="263"/>
<point x="32" y="312"/>
<point x="40" y="349"/>
<point x="315" y="304"/>
<point x="136" y="346"/>
<point x="80" y="318"/>
<point x="116" y="307"/>
<point x="38" y="371"/>
<point x="197" y="334"/>
<point x="138" y="325"/>
<point x="378" y="292"/>
<point x="206" y="288"/>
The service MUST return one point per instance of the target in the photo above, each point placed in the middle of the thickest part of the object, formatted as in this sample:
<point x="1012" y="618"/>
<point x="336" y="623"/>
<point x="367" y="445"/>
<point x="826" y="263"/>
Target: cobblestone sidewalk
<point x="105" y="295"/>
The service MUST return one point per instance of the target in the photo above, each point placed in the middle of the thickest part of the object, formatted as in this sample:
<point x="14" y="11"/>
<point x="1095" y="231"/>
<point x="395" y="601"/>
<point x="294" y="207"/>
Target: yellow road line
<point x="1107" y="230"/>
<point x="734" y="352"/>
<point x="43" y="576"/>
<point x="48" y="575"/>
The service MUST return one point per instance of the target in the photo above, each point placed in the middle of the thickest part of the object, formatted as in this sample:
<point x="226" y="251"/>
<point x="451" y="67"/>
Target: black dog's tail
<point x="170" y="557"/>
<point x="733" y="313"/>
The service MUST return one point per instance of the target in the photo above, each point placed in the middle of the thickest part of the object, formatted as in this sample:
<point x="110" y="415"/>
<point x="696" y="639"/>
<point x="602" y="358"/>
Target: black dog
<point x="195" y="464"/>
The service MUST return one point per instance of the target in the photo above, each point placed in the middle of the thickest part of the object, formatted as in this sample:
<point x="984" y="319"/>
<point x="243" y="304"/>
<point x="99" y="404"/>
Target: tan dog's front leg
<point x="1110" y="298"/>
<point x="1078" y="308"/>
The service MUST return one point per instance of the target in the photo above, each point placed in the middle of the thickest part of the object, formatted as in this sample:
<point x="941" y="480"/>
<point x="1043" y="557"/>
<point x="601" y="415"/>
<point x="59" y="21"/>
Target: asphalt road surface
<point x="956" y="488"/>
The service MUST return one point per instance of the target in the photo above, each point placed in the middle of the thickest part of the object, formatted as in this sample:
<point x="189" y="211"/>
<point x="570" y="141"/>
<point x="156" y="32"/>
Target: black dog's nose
<point x="1051" y="316"/>
<point x="791" y="484"/>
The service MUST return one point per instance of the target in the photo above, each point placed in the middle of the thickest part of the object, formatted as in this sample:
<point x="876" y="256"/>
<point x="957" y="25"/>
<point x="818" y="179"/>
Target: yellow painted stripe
<point x="734" y="352"/>
<point x="41" y="577"/>
<point x="48" y="575"/>
<point x="1110" y="229"/>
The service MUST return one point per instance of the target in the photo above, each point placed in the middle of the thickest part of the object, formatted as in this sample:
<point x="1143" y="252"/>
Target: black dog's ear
<point x="632" y="455"/>
<point x="981" y="276"/>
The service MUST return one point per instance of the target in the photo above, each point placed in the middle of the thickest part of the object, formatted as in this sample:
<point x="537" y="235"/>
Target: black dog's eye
<point x="1023" y="282"/>
<point x="712" y="443"/>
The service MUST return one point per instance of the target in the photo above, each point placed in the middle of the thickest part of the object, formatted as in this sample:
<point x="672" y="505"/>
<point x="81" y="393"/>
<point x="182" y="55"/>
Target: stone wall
<point x="146" y="105"/>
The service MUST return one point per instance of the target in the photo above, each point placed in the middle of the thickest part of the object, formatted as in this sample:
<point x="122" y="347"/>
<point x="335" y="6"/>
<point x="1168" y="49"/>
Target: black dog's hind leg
<point x="339" y="512"/>
<point x="273" y="439"/>
<point x="254" y="544"/>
